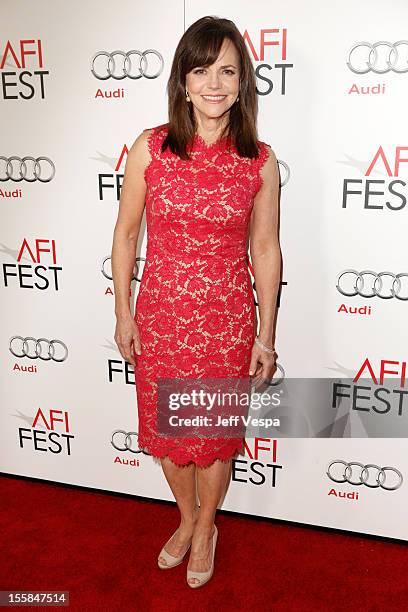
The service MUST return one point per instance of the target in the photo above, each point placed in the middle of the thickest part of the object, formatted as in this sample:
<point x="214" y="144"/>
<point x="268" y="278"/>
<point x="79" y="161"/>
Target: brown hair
<point x="200" y="46"/>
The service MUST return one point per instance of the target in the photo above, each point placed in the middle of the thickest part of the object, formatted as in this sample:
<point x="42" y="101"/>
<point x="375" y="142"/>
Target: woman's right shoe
<point x="169" y="560"/>
<point x="202" y="577"/>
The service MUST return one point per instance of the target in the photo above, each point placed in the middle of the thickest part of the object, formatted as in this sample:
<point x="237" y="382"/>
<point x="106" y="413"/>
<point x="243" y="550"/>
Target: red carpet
<point x="102" y="548"/>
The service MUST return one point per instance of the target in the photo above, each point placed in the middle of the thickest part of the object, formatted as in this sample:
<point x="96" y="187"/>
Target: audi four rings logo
<point x="37" y="349"/>
<point x="16" y="169"/>
<point x="108" y="273"/>
<point x="277" y="381"/>
<point x="364" y="476"/>
<point x="375" y="285"/>
<point x="389" y="58"/>
<point x="283" y="182"/>
<point x="126" y="441"/>
<point x="132" y="68"/>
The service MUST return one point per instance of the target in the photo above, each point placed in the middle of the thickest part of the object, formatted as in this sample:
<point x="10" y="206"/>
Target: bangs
<point x="205" y="51"/>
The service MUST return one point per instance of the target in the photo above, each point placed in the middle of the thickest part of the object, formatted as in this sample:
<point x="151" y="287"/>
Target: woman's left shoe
<point x="169" y="560"/>
<point x="202" y="577"/>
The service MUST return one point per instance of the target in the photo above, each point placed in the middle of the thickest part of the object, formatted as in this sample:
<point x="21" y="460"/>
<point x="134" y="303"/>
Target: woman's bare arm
<point x="127" y="228"/>
<point x="125" y="238"/>
<point x="265" y="248"/>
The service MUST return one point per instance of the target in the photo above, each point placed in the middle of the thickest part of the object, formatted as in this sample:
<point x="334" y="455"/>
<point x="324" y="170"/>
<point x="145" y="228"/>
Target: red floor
<point x="102" y="549"/>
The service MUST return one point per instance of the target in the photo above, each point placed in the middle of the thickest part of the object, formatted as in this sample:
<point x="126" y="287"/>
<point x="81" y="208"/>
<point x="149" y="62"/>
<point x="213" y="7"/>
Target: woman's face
<point x="214" y="89"/>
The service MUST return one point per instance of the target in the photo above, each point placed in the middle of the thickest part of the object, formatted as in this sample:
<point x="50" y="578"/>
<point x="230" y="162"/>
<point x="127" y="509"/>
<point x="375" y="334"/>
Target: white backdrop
<point x="326" y="124"/>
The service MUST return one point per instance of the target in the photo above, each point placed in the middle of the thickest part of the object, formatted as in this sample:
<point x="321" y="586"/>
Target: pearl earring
<point x="187" y="96"/>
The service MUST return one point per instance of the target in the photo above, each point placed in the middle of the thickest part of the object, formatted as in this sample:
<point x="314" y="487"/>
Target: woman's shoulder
<point x="265" y="152"/>
<point x="160" y="129"/>
<point x="264" y="148"/>
<point x="154" y="136"/>
<point x="266" y="164"/>
<point x="149" y="140"/>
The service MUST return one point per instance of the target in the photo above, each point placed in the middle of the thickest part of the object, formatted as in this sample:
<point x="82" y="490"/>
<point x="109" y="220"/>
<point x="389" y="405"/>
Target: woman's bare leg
<point x="182" y="481"/>
<point x="211" y="484"/>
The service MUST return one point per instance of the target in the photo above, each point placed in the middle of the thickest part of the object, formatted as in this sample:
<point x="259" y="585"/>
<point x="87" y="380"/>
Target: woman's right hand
<point x="127" y="338"/>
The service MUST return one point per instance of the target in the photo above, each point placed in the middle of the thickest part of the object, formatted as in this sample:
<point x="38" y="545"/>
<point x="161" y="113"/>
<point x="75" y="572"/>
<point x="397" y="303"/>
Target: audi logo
<point x="108" y="273"/>
<point x="126" y="441"/>
<point x="20" y="172"/>
<point x="364" y="476"/>
<point x="125" y="70"/>
<point x="272" y="382"/>
<point x="376" y="284"/>
<point x="20" y="347"/>
<point x="283" y="182"/>
<point x="391" y="57"/>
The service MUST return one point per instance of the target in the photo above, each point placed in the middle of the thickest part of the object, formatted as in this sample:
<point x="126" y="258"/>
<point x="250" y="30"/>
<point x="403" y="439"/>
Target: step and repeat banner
<point x="78" y="85"/>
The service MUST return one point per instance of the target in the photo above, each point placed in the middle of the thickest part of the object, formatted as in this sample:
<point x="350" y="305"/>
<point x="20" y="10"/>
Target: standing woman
<point x="210" y="188"/>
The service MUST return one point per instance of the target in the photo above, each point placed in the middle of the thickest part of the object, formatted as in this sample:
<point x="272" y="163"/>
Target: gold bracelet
<point x="263" y="346"/>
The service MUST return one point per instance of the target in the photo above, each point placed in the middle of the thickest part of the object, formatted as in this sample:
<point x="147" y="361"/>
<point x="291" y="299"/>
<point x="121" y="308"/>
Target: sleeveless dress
<point x="195" y="307"/>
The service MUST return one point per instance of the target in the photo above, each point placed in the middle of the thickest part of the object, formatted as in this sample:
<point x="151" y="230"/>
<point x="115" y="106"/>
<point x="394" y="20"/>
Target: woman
<point x="208" y="185"/>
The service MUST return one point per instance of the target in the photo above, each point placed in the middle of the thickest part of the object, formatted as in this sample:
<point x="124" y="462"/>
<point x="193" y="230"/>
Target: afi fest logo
<point x="55" y="438"/>
<point x="269" y="52"/>
<point x="22" y="70"/>
<point x="111" y="182"/>
<point x="373" y="395"/>
<point x="260" y="466"/>
<point x="119" y="368"/>
<point x="42" y="273"/>
<point x="377" y="193"/>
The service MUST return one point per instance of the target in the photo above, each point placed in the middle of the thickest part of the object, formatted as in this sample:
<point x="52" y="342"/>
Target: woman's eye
<point x="226" y="71"/>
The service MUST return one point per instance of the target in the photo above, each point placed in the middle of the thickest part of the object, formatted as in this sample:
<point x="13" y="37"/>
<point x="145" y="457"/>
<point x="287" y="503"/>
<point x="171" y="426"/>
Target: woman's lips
<point x="214" y="99"/>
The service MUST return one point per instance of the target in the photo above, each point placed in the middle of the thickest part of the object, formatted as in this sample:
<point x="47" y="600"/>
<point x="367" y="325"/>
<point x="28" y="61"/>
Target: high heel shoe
<point x="170" y="560"/>
<point x="204" y="577"/>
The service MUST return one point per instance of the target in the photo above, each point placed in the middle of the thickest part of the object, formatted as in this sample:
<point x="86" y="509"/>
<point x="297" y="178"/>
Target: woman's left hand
<point x="263" y="366"/>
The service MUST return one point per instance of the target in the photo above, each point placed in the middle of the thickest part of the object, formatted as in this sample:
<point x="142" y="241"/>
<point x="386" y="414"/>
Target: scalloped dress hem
<point x="179" y="458"/>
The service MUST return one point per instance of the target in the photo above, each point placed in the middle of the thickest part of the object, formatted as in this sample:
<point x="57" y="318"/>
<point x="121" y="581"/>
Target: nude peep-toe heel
<point x="204" y="577"/>
<point x="170" y="560"/>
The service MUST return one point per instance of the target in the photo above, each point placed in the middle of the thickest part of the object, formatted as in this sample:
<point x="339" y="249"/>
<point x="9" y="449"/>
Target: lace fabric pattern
<point x="195" y="309"/>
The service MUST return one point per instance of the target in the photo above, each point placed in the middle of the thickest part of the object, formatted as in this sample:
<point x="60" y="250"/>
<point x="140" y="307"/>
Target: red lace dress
<point x="195" y="307"/>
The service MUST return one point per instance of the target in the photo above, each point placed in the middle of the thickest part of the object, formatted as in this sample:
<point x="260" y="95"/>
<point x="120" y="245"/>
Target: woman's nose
<point x="214" y="80"/>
